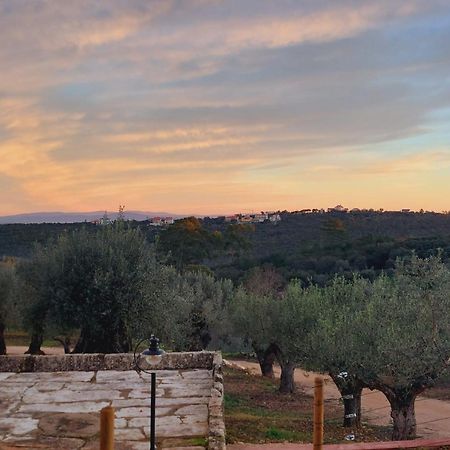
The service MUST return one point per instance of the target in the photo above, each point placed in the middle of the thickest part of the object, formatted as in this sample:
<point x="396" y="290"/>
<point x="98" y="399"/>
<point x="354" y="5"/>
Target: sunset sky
<point x="220" y="106"/>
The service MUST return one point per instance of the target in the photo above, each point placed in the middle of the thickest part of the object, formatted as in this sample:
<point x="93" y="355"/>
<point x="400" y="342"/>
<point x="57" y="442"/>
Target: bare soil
<point x="255" y="412"/>
<point x="21" y="349"/>
<point x="432" y="414"/>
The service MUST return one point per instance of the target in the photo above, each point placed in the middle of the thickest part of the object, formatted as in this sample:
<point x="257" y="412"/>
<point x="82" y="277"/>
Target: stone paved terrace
<point x="45" y="409"/>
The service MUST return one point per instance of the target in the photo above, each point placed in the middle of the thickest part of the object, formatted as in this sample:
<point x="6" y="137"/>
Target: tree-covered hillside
<point x="305" y="246"/>
<point x="316" y="246"/>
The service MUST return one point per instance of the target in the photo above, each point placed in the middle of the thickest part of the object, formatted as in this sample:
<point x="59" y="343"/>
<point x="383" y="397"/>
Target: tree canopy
<point x="91" y="282"/>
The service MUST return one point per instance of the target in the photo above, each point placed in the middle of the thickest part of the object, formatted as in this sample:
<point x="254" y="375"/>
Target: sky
<point x="222" y="106"/>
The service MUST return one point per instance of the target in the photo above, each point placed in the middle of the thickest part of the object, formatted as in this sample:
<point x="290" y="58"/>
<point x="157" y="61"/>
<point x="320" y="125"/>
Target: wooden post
<point x="107" y="428"/>
<point x="318" y="414"/>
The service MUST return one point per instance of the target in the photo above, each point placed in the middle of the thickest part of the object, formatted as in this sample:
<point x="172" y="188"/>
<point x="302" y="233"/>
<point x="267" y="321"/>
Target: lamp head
<point x="153" y="354"/>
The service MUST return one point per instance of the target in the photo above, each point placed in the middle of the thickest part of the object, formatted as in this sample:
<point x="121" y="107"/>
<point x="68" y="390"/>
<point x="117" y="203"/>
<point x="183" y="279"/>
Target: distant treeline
<point x="309" y="247"/>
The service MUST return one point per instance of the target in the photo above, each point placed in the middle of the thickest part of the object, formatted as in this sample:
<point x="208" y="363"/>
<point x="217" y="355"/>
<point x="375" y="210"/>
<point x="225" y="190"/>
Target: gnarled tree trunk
<point x="402" y="401"/>
<point x="351" y="389"/>
<point x="2" y="339"/>
<point x="287" y="384"/>
<point x="266" y="359"/>
<point x="35" y="344"/>
<point x="404" y="417"/>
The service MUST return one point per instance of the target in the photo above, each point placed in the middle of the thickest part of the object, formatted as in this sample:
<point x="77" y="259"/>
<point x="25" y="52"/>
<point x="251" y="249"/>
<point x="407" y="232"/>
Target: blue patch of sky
<point x="71" y="97"/>
<point x="419" y="37"/>
<point x="434" y="140"/>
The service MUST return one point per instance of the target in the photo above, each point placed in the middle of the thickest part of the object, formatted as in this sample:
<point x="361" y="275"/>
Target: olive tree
<point x="252" y="317"/>
<point x="296" y="318"/>
<point x="283" y="323"/>
<point x="164" y="307"/>
<point x="396" y="337"/>
<point x="405" y="331"/>
<point x="208" y="316"/>
<point x="89" y="282"/>
<point x="333" y="341"/>
<point x="264" y="281"/>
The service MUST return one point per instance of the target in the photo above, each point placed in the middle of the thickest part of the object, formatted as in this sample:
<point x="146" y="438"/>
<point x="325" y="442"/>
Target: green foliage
<point x="392" y="334"/>
<point x="187" y="242"/>
<point x="406" y="326"/>
<point x="208" y="315"/>
<point x="277" y="434"/>
<point x="91" y="282"/>
<point x="7" y="306"/>
<point x="253" y="317"/>
<point x="287" y="320"/>
<point x="187" y="311"/>
<point x="7" y="288"/>
<point x="310" y="247"/>
<point x="109" y="288"/>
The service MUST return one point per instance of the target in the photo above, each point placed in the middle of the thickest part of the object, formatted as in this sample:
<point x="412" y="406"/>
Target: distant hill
<point x="76" y="217"/>
<point x="317" y="246"/>
<point x="303" y="246"/>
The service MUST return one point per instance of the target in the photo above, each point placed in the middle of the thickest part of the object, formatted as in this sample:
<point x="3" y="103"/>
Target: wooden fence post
<point x="318" y="414"/>
<point x="107" y="428"/>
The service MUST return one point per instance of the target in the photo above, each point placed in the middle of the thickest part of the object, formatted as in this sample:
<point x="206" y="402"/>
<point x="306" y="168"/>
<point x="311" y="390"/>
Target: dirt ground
<point x="433" y="415"/>
<point x="255" y="412"/>
<point x="21" y="349"/>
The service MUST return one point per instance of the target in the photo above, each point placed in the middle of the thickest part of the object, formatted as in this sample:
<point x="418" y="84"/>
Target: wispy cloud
<point x="216" y="106"/>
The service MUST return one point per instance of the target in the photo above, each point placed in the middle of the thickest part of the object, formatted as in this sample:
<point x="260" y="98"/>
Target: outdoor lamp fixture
<point x="143" y="363"/>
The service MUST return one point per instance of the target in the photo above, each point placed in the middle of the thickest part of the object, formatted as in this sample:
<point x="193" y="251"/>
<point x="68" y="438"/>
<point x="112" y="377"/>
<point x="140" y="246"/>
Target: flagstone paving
<point x="61" y="409"/>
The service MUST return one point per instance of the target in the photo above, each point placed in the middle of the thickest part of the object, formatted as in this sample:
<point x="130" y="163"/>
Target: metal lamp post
<point x="152" y="356"/>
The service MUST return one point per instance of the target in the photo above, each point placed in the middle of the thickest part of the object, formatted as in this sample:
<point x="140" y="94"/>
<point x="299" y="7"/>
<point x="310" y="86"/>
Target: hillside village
<point x="263" y="216"/>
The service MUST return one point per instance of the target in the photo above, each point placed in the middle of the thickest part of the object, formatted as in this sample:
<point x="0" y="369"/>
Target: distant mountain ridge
<point x="74" y="217"/>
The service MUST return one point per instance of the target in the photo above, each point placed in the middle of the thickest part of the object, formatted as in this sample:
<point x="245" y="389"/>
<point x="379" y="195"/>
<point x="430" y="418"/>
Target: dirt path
<point x="20" y="350"/>
<point x="433" y="416"/>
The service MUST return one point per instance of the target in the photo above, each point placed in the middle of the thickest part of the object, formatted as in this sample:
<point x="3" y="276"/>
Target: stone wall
<point x="216" y="420"/>
<point x="100" y="361"/>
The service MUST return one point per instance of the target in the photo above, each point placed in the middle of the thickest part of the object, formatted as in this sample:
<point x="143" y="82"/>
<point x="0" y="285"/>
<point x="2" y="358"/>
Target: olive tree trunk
<point x="350" y="389"/>
<point x="266" y="358"/>
<point x="404" y="417"/>
<point x="287" y="384"/>
<point x="2" y="339"/>
<point x="35" y="344"/>
<point x="402" y="401"/>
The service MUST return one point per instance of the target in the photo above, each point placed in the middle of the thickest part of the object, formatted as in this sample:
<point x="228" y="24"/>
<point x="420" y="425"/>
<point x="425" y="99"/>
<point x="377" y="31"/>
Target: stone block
<point x="129" y="434"/>
<point x="18" y="426"/>
<point x="141" y="411"/>
<point x="70" y="425"/>
<point x="68" y="396"/>
<point x="193" y="410"/>
<point x="71" y="408"/>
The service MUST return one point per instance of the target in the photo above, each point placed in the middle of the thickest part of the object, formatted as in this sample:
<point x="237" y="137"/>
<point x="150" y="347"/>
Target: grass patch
<point x="255" y="412"/>
<point x="183" y="442"/>
<point x="20" y="338"/>
<point x="197" y="442"/>
<point x="17" y="337"/>
<point x="275" y="434"/>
